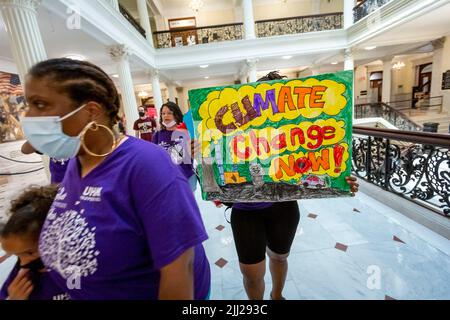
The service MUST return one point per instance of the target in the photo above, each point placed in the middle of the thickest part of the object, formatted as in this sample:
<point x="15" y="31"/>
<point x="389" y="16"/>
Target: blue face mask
<point x="46" y="135"/>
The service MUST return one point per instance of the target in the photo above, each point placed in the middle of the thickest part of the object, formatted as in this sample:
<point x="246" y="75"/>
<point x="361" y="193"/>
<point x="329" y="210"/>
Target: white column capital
<point x="22" y="4"/>
<point x="438" y="43"/>
<point x="348" y="59"/>
<point x="153" y="73"/>
<point x="119" y="52"/>
<point x="251" y="63"/>
<point x="387" y="59"/>
<point x="348" y="53"/>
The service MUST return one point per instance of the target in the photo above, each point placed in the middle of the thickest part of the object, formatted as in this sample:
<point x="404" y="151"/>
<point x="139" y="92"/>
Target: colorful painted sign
<point x="277" y="140"/>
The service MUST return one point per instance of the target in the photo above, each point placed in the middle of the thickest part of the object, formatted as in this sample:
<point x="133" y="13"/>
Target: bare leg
<point x="278" y="265"/>
<point x="254" y="279"/>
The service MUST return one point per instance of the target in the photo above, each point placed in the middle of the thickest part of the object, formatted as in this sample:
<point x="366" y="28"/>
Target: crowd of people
<point x="117" y="193"/>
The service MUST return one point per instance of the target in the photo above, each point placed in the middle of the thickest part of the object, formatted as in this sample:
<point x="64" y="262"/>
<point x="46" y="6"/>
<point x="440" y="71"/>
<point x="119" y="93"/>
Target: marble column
<point x="120" y="55"/>
<point x="156" y="89"/>
<point x="249" y="21"/>
<point x="348" y="59"/>
<point x="22" y="30"/>
<point x="251" y="64"/>
<point x="144" y="20"/>
<point x="387" y="80"/>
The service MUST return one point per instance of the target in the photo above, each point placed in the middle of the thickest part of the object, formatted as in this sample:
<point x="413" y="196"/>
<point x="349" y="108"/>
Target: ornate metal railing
<point x="414" y="165"/>
<point x="131" y="19"/>
<point x="365" y="7"/>
<point x="383" y="110"/>
<point x="208" y="34"/>
<point x="294" y="25"/>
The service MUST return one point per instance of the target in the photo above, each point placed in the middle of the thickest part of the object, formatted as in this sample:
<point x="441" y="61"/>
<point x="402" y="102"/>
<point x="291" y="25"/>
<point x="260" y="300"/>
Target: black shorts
<point x="273" y="227"/>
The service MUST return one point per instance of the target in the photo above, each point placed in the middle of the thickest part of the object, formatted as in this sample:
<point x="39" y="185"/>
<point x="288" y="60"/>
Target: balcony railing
<point x="130" y="18"/>
<point x="385" y="111"/>
<point x="423" y="103"/>
<point x="414" y="165"/>
<point x="207" y="34"/>
<point x="366" y="7"/>
<point x="295" y="25"/>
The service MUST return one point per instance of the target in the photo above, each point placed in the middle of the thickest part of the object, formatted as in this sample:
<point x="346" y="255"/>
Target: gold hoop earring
<point x="94" y="126"/>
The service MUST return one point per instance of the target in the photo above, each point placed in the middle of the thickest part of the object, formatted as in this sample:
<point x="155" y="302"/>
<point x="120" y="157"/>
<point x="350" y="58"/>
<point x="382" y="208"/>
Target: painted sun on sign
<point x="275" y="141"/>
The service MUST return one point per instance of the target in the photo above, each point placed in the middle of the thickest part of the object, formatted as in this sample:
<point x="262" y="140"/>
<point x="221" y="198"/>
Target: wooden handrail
<point x="301" y="17"/>
<point x="199" y="28"/>
<point x="428" y="138"/>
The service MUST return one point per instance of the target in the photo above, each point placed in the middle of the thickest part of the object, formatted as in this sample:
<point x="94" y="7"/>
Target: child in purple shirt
<point x="29" y="280"/>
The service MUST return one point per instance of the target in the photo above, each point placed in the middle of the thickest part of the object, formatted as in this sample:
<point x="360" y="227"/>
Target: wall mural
<point x="11" y="107"/>
<point x="275" y="141"/>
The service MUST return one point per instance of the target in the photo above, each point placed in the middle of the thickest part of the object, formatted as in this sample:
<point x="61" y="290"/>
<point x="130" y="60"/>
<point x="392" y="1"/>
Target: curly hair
<point x="82" y="81"/>
<point x="273" y="75"/>
<point x="28" y="212"/>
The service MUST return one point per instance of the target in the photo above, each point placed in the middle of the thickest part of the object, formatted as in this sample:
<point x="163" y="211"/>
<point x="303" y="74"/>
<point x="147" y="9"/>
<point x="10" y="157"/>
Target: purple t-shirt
<point x="44" y="288"/>
<point x="108" y="234"/>
<point x="58" y="170"/>
<point x="177" y="144"/>
<point x="250" y="206"/>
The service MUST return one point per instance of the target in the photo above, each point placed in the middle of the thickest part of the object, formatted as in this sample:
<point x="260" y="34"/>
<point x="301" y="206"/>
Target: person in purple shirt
<point x="29" y="280"/>
<point x="265" y="227"/>
<point x="57" y="170"/>
<point x="124" y="223"/>
<point x="57" y="167"/>
<point x="176" y="141"/>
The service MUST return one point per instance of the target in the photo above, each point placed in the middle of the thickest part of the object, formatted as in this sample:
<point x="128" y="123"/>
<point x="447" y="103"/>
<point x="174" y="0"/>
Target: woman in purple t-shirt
<point x="114" y="230"/>
<point x="176" y="141"/>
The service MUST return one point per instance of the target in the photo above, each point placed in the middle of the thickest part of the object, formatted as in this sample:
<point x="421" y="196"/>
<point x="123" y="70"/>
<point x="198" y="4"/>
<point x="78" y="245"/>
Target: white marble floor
<point x="367" y="263"/>
<point x="354" y="248"/>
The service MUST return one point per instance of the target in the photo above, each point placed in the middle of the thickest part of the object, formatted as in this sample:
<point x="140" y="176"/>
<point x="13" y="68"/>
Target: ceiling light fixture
<point x="334" y="62"/>
<point x="286" y="57"/>
<point x="115" y="75"/>
<point x="204" y="66"/>
<point x="143" y="94"/>
<point x="370" y="48"/>
<point x="207" y="77"/>
<point x="398" y="65"/>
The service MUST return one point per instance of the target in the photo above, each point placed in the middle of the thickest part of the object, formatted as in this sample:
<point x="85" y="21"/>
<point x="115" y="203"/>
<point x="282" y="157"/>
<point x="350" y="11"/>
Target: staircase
<point x="422" y="116"/>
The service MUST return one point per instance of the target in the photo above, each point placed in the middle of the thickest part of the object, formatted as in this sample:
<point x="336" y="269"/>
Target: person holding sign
<point x="270" y="227"/>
